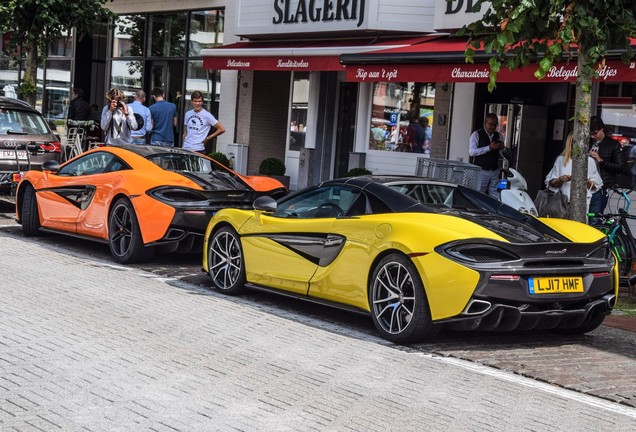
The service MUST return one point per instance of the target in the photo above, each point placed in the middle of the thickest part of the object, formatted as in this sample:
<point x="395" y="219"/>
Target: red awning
<point x="442" y="60"/>
<point x="315" y="55"/>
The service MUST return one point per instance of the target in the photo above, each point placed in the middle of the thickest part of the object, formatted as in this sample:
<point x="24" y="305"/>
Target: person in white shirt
<point x="560" y="176"/>
<point x="484" y="145"/>
<point x="198" y="124"/>
<point x="117" y="119"/>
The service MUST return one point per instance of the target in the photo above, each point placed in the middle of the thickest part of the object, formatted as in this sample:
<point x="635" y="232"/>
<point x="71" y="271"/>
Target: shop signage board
<point x="611" y="71"/>
<point x="269" y="17"/>
<point x="282" y="63"/>
<point x="454" y="14"/>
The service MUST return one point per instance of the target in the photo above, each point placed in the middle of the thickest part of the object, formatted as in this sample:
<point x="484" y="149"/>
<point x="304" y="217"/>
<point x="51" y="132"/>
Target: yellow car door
<point x="284" y="253"/>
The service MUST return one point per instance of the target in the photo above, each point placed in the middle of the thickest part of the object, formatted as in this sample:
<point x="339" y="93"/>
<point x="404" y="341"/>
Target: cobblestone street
<point x="88" y="345"/>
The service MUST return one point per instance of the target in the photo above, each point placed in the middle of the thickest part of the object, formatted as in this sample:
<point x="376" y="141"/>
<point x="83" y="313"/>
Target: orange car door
<point x="92" y="219"/>
<point x="58" y="203"/>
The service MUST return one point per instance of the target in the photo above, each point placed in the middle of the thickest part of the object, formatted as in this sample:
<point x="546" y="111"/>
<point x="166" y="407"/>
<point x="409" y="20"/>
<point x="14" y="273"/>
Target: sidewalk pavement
<point x="89" y="345"/>
<point x="621" y="322"/>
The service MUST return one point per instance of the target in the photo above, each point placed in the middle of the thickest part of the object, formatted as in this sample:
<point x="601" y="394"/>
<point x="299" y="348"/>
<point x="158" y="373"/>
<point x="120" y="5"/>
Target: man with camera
<point x="485" y="144"/>
<point x="117" y="119"/>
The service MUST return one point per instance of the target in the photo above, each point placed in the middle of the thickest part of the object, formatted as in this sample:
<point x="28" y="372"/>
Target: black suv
<point x="26" y="141"/>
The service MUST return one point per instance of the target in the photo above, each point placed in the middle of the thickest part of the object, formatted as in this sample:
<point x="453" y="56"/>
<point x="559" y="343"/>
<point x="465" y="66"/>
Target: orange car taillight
<point x="52" y="147"/>
<point x="16" y="177"/>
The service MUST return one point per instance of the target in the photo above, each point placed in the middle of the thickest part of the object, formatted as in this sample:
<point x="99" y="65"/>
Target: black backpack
<point x="140" y="122"/>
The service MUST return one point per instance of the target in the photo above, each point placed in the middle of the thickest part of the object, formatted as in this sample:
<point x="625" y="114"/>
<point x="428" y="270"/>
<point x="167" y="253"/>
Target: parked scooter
<point x="512" y="187"/>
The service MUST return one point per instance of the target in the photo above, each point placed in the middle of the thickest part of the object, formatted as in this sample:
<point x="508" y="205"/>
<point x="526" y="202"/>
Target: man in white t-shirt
<point x="198" y="124"/>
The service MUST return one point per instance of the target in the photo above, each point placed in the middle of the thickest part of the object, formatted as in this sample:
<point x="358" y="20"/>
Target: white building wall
<point x="461" y="121"/>
<point x="140" y="6"/>
<point x="230" y="81"/>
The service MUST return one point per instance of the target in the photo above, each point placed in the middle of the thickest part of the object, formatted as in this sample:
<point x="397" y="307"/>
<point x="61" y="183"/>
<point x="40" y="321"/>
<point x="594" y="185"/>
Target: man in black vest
<point x="485" y="144"/>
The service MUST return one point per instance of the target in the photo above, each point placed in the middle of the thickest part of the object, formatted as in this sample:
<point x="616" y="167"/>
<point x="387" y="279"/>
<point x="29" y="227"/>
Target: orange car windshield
<point x="184" y="162"/>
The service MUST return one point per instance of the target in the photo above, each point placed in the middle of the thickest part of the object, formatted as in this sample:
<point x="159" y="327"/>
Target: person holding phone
<point x="117" y="119"/>
<point x="484" y="146"/>
<point x="610" y="159"/>
<point x="560" y="176"/>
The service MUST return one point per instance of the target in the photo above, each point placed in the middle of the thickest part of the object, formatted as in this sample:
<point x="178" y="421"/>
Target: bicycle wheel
<point x="620" y="246"/>
<point x="622" y="249"/>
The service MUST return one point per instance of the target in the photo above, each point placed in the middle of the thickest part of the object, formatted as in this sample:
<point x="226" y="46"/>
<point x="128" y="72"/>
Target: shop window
<point x="57" y="88"/>
<point x="126" y="76"/>
<point x="206" y="31"/>
<point x="401" y="117"/>
<point x="8" y="77"/>
<point x="298" y="112"/>
<point x="61" y="46"/>
<point x="207" y="82"/>
<point x="167" y="35"/>
<point x="617" y="109"/>
<point x="128" y="38"/>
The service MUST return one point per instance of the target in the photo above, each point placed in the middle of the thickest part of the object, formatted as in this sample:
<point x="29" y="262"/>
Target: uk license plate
<point x="10" y="154"/>
<point x="555" y="285"/>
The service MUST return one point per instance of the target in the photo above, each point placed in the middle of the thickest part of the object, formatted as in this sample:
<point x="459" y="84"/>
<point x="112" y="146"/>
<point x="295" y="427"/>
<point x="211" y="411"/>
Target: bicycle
<point x="616" y="227"/>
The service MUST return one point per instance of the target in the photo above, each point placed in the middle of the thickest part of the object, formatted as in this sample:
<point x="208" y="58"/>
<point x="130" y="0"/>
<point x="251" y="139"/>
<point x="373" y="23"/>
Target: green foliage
<point x="42" y="21"/>
<point x="34" y="24"/>
<point x="355" y="172"/>
<point x="517" y="33"/>
<point x="626" y="307"/>
<point x="220" y="158"/>
<point x="27" y="88"/>
<point x="272" y="166"/>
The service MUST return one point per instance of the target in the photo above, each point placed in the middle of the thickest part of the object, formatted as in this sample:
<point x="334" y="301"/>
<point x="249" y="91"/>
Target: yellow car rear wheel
<point x="399" y="307"/>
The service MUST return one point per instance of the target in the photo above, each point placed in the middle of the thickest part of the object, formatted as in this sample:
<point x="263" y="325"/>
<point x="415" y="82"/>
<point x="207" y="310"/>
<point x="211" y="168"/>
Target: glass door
<point x="296" y="131"/>
<point x="167" y="74"/>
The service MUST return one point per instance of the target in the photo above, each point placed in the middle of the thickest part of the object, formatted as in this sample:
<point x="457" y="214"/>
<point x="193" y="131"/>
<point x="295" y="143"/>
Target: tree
<point x="33" y="24"/>
<point x="518" y="32"/>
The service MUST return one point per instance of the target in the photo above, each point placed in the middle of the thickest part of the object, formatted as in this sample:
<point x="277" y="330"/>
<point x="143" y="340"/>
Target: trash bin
<point x="237" y="154"/>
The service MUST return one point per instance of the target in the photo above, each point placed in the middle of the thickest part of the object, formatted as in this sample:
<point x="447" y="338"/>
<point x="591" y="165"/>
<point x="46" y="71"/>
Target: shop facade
<point x="149" y="44"/>
<point x="286" y="78"/>
<point x="534" y="116"/>
<point x="325" y="86"/>
<point x="294" y="100"/>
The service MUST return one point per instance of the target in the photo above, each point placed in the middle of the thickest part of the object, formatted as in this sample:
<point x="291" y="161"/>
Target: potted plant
<point x="274" y="167"/>
<point x="355" y="172"/>
<point x="221" y="158"/>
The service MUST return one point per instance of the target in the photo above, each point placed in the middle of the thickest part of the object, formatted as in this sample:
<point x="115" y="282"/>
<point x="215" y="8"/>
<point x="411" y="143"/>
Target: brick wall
<point x="268" y="126"/>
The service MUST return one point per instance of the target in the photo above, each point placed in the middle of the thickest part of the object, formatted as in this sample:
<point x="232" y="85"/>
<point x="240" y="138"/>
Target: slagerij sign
<point x="264" y="17"/>
<point x="454" y="14"/>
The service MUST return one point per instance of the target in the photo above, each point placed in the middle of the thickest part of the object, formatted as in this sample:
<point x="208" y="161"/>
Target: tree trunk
<point x="582" y="113"/>
<point x="28" y="88"/>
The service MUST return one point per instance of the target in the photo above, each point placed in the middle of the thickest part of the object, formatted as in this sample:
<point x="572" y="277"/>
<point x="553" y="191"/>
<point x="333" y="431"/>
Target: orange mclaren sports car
<point x="136" y="198"/>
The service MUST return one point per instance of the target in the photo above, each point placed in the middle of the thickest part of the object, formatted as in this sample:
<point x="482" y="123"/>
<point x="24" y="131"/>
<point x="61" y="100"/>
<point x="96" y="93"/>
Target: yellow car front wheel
<point x="399" y="307"/>
<point x="225" y="261"/>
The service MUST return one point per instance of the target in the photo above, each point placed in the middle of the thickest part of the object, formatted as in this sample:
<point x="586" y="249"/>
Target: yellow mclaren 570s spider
<point x="416" y="254"/>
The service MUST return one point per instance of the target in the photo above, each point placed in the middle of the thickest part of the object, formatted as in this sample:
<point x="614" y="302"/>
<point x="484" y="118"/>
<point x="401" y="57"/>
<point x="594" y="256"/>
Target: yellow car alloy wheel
<point x="399" y="307"/>
<point x="225" y="261"/>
